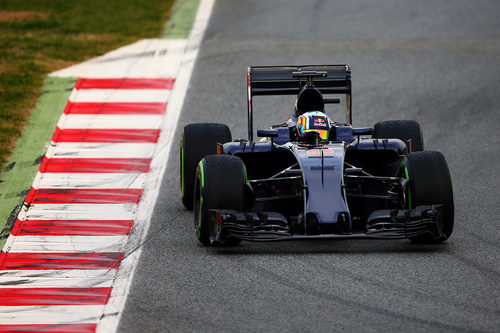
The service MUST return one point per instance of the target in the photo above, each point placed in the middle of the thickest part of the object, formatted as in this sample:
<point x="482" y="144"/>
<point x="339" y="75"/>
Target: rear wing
<point x="289" y="80"/>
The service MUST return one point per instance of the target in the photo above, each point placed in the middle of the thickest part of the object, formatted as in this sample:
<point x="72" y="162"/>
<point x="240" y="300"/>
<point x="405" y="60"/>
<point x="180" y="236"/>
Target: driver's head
<point x="313" y="124"/>
<point x="309" y="99"/>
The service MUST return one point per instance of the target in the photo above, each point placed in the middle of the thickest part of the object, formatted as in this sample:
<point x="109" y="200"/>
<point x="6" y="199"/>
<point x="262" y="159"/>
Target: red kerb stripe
<point x="83" y="196"/>
<point x="114" y="108"/>
<point x="49" y="328"/>
<point x="125" y="83"/>
<point x="106" y="135"/>
<point x="95" y="165"/>
<point x="72" y="227"/>
<point x="53" y="296"/>
<point x="57" y="260"/>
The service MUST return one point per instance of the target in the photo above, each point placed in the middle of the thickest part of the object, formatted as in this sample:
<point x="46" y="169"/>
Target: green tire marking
<point x="181" y="19"/>
<point x="21" y="167"/>
<point x="407" y="177"/>
<point x="202" y="175"/>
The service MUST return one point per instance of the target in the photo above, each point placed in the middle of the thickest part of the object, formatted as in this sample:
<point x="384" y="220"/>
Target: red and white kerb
<point x="58" y="265"/>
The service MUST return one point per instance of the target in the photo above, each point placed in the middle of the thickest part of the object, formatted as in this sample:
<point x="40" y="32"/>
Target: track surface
<point x="436" y="62"/>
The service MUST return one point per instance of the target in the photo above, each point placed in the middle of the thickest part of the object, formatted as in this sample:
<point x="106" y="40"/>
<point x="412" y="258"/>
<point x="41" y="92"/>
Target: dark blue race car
<point x="311" y="177"/>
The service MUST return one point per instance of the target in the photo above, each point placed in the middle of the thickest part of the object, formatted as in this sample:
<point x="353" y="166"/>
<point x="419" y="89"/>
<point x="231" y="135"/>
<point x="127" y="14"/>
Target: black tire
<point x="430" y="183"/>
<point x="219" y="183"/>
<point x="402" y="130"/>
<point x="197" y="141"/>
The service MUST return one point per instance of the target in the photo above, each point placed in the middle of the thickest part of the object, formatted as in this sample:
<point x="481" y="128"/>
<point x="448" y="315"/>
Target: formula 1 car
<point x="310" y="177"/>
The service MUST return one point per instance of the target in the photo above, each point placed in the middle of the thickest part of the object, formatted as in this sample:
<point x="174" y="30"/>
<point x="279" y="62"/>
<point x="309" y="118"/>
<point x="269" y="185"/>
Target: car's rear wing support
<point x="289" y="80"/>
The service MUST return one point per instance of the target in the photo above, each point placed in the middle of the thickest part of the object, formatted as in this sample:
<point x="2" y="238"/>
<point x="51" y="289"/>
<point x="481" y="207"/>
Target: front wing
<point x="269" y="226"/>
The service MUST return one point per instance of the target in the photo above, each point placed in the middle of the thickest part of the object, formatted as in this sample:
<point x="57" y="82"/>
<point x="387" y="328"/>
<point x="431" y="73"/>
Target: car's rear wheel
<point x="197" y="141"/>
<point x="430" y="183"/>
<point x="219" y="184"/>
<point x="403" y="130"/>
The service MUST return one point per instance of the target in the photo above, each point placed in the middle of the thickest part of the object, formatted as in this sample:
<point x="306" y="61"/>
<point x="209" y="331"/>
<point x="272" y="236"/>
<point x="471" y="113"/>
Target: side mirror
<point x="267" y="133"/>
<point x="362" y="131"/>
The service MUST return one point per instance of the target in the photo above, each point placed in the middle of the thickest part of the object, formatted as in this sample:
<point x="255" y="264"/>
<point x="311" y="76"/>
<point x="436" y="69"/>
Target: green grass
<point x="38" y="37"/>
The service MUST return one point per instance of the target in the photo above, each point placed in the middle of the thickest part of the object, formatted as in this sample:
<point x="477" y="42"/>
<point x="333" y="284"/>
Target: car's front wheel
<point x="219" y="184"/>
<point x="431" y="184"/>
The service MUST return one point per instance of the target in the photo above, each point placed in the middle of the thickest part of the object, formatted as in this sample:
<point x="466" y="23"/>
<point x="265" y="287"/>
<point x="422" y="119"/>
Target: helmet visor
<point x="314" y="123"/>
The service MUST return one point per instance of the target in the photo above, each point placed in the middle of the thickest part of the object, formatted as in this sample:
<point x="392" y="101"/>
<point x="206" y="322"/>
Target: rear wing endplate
<point x="289" y="80"/>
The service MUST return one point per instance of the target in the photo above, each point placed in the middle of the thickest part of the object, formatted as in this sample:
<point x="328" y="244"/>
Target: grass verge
<point x="182" y="19"/>
<point x="39" y="37"/>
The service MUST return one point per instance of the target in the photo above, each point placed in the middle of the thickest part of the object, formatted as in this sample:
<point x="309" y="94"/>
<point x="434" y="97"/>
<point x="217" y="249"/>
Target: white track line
<point x="90" y="180"/>
<point x="73" y="314"/>
<point x="110" y="121"/>
<point x="68" y="244"/>
<point x="120" y="95"/>
<point x="77" y="278"/>
<point x="113" y="310"/>
<point x="99" y="150"/>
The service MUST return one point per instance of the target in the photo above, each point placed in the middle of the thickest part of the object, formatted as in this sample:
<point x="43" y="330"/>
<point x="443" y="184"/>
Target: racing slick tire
<point x="402" y="130"/>
<point x="219" y="184"/>
<point x="431" y="184"/>
<point x="197" y="141"/>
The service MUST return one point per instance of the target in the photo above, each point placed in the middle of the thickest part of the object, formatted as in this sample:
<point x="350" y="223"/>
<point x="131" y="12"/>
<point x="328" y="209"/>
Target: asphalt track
<point x="433" y="61"/>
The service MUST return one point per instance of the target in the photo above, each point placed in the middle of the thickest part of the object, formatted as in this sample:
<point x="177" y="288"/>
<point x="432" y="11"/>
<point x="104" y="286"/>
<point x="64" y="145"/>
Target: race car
<point x="312" y="177"/>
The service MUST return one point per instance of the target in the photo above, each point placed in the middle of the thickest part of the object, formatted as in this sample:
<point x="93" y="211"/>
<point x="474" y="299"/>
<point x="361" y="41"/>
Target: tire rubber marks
<point x="72" y="227"/>
<point x="53" y="296"/>
<point x="90" y="180"/>
<point x="82" y="196"/>
<point x="95" y="165"/>
<point x="60" y="260"/>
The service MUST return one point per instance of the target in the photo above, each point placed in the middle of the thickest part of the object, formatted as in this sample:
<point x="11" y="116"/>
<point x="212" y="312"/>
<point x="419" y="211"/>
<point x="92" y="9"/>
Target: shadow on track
<point x="328" y="247"/>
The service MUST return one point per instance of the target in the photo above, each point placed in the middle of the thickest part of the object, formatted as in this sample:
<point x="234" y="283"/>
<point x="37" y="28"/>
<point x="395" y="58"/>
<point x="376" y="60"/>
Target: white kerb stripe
<point x="81" y="211"/>
<point x="75" y="278"/>
<point x="74" y="314"/>
<point x="120" y="95"/>
<point x="68" y="244"/>
<point x="89" y="180"/>
<point x="134" y="60"/>
<point x="99" y="150"/>
<point x="109" y="121"/>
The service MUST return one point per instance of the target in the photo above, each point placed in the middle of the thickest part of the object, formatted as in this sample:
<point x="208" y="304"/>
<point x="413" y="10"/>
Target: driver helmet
<point x="313" y="124"/>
